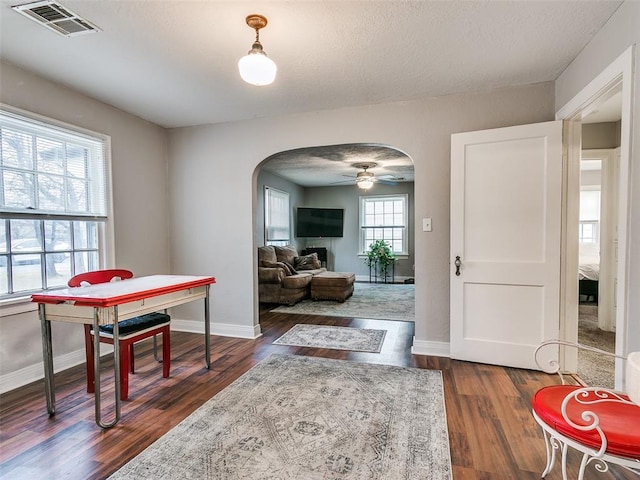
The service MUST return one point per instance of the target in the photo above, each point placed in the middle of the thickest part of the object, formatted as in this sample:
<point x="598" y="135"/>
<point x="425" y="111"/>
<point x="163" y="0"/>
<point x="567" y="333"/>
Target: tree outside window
<point x="52" y="202"/>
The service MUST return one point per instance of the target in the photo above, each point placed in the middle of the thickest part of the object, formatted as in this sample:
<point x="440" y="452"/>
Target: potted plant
<point x="379" y="256"/>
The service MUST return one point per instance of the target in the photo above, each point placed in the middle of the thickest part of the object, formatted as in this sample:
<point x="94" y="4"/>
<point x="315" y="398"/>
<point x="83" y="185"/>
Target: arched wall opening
<point x="327" y="177"/>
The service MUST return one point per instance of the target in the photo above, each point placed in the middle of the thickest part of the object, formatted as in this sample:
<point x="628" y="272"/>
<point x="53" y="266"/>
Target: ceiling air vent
<point x="57" y="18"/>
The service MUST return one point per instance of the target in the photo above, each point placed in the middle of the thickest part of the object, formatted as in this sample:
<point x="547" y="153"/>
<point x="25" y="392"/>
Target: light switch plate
<point x="426" y="224"/>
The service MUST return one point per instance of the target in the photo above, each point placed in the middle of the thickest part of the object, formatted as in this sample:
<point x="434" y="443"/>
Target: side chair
<point x="602" y="424"/>
<point x="130" y="331"/>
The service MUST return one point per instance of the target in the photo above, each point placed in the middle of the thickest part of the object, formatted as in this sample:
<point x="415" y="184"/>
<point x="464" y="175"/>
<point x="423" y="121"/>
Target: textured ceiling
<point x="174" y="62"/>
<point x="338" y="164"/>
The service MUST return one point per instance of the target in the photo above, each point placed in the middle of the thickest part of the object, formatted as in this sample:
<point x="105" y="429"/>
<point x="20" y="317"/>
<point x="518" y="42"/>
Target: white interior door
<point x="506" y="191"/>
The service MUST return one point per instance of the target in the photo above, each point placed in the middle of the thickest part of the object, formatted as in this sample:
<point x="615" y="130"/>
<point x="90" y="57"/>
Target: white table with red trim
<point x="108" y="303"/>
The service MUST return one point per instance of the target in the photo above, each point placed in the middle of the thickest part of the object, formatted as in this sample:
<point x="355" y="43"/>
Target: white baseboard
<point x="435" y="349"/>
<point x="396" y="279"/>
<point x="222" y="329"/>
<point x="35" y="372"/>
<point x="32" y="373"/>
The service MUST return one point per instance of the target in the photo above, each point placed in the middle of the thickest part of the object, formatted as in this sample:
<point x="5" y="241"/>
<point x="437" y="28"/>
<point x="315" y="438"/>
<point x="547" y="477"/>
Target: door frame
<point x="618" y="74"/>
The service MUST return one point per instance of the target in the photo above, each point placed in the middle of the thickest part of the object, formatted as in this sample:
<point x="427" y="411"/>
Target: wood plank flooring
<point x="492" y="434"/>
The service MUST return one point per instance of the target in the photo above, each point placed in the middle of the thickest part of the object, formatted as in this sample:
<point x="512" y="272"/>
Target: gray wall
<point x="600" y="135"/>
<point x="343" y="252"/>
<point x="213" y="171"/>
<point x="140" y="203"/>
<point x="296" y="194"/>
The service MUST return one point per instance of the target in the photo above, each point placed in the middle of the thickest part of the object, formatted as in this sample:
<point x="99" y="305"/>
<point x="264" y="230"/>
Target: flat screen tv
<point x="320" y="222"/>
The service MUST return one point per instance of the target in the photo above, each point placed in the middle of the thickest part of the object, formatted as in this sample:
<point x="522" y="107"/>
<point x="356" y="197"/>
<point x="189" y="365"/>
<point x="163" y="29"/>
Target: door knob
<point x="458" y="264"/>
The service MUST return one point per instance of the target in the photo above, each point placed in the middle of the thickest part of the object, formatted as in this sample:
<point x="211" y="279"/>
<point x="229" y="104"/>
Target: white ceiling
<point x="174" y="62"/>
<point x="607" y="110"/>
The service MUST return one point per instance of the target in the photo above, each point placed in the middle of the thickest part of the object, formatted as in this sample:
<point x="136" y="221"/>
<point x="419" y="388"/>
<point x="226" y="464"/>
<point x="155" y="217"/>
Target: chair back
<point x="99" y="276"/>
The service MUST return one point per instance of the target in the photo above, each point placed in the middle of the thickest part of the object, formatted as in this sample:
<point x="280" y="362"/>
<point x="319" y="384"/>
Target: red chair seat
<point x="620" y="422"/>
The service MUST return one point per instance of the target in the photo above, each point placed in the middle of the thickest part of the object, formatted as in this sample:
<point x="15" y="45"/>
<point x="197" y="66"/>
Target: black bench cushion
<point x="137" y="324"/>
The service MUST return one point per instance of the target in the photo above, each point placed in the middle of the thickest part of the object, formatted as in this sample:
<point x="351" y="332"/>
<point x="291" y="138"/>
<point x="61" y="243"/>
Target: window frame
<point x="363" y="200"/>
<point x="18" y="302"/>
<point x="268" y="213"/>
<point x="593" y="221"/>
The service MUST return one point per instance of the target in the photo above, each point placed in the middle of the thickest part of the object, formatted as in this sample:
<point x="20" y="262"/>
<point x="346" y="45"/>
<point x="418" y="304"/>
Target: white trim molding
<point x="35" y="372"/>
<point x="15" y="306"/>
<point x="221" y="329"/>
<point x="396" y="279"/>
<point x="435" y="349"/>
<point x="618" y="75"/>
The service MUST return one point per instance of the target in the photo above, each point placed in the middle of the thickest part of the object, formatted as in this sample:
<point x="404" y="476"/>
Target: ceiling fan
<point x="365" y="179"/>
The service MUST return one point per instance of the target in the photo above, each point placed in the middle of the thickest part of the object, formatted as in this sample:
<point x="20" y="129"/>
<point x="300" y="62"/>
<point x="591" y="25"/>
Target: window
<point x="53" y="191"/>
<point x="384" y="217"/>
<point x="277" y="229"/>
<point x="589" y="230"/>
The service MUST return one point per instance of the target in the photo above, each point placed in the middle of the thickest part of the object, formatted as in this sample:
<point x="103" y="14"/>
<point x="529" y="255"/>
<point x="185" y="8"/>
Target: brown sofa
<point x="284" y="276"/>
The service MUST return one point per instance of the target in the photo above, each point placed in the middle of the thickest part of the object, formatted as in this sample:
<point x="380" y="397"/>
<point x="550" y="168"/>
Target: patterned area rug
<point x="303" y="418"/>
<point x="369" y="300"/>
<point x="336" y="338"/>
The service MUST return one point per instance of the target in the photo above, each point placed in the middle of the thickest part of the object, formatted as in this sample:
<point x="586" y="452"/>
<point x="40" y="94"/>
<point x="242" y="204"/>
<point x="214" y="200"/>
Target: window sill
<point x="15" y="306"/>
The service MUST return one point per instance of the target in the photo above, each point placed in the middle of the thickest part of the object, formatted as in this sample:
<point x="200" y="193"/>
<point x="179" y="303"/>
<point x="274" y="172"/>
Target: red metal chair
<point x="602" y="424"/>
<point x="130" y="332"/>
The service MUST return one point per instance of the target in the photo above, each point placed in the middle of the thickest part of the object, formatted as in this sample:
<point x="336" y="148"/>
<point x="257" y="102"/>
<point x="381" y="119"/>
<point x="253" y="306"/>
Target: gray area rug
<point x="369" y="300"/>
<point x="594" y="369"/>
<point x="304" y="418"/>
<point x="335" y="338"/>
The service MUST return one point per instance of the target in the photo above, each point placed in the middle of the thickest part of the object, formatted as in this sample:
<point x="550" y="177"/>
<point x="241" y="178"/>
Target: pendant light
<point x="255" y="67"/>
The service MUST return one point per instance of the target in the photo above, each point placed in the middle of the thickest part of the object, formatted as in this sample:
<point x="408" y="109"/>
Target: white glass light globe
<point x="365" y="184"/>
<point x="257" y="69"/>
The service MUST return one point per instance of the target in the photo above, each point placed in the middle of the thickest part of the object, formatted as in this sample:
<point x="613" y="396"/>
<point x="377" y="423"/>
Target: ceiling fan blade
<point x="387" y="182"/>
<point x="343" y="182"/>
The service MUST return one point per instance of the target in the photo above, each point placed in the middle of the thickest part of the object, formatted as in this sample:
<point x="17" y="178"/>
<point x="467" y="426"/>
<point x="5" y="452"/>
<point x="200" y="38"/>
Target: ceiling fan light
<point x="364" y="183"/>
<point x="256" y="68"/>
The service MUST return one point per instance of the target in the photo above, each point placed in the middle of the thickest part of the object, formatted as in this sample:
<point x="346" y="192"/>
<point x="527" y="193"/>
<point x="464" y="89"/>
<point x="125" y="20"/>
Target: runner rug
<point x="293" y="417"/>
<point x="335" y="338"/>
<point x="369" y="300"/>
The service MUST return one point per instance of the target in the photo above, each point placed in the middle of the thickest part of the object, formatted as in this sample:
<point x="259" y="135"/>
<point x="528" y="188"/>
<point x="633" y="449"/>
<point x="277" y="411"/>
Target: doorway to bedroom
<point x="597" y="237"/>
<point x="611" y="88"/>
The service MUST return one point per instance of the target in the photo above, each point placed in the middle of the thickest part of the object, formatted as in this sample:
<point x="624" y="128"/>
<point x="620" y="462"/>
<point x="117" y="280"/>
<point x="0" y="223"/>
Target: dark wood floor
<point x="492" y="434"/>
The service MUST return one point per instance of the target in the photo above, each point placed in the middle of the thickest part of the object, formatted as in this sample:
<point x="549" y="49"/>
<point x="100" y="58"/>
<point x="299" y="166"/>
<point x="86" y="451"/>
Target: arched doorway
<point x="329" y="177"/>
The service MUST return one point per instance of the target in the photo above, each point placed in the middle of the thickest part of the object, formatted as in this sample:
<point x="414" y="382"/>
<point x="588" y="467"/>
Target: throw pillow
<point x="282" y="265"/>
<point x="307" y="262"/>
<point x="286" y="254"/>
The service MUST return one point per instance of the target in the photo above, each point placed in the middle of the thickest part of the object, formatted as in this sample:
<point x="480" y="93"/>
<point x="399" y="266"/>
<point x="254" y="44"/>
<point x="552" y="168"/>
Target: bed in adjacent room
<point x="589" y="272"/>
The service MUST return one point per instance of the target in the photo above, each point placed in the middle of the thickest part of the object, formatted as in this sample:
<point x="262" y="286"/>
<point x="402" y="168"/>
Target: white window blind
<point x="277" y="217"/>
<point x="49" y="169"/>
